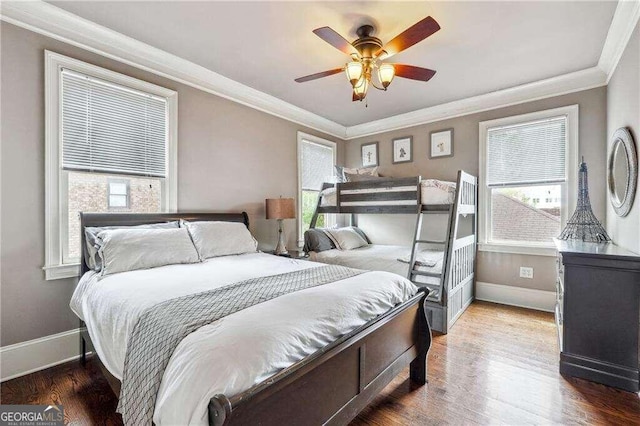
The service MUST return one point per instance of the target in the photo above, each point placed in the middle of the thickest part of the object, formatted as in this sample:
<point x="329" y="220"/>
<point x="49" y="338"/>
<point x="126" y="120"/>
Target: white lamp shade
<point x="360" y="89"/>
<point x="386" y="72"/>
<point x="354" y="72"/>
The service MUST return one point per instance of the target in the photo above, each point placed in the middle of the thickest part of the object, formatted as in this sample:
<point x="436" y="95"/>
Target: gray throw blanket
<point x="162" y="327"/>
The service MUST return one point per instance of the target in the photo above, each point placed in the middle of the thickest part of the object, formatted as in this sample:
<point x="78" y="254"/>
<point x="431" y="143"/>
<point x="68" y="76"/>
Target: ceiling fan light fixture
<point x="354" y="72"/>
<point x="386" y="72"/>
<point x="367" y="53"/>
<point x="360" y="89"/>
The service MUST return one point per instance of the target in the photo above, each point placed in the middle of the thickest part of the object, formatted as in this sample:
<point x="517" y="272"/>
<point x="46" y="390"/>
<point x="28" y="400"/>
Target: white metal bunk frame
<point x="402" y="196"/>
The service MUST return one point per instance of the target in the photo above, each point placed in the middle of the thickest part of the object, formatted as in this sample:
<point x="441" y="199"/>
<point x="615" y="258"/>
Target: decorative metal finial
<point x="583" y="224"/>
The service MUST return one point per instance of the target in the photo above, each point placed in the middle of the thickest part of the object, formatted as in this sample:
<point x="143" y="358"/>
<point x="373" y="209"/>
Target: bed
<point x="381" y="257"/>
<point x="451" y="282"/>
<point x="318" y="355"/>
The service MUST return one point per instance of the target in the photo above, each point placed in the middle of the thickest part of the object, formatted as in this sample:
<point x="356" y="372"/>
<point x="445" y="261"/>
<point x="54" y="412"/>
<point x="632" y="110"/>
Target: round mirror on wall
<point x="622" y="171"/>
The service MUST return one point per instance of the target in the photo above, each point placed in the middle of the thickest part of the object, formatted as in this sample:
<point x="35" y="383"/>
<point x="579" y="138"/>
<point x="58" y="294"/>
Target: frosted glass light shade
<point x="386" y="72"/>
<point x="360" y="89"/>
<point x="354" y="72"/>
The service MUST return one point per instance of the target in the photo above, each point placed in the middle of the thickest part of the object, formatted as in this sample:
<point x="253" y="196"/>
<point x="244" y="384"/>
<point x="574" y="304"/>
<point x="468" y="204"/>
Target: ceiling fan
<point x="368" y="54"/>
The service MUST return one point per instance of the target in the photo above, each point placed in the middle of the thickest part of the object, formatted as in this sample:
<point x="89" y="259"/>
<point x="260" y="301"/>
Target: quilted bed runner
<point x="162" y="327"/>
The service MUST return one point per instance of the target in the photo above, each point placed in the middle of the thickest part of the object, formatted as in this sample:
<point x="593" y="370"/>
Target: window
<point x="528" y="167"/>
<point x="316" y="165"/>
<point x="110" y="146"/>
<point x="119" y="195"/>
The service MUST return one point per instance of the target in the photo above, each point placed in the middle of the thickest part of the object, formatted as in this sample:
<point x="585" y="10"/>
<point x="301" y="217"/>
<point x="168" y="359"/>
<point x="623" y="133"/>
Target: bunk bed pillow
<point x="123" y="250"/>
<point x="435" y="191"/>
<point x="341" y="172"/>
<point x="362" y="234"/>
<point x="217" y="238"/>
<point x="346" y="238"/>
<point x="349" y="177"/>
<point x="316" y="240"/>
<point x="371" y="171"/>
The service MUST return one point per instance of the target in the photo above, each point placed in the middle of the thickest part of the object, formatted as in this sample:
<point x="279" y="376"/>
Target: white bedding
<point x="380" y="257"/>
<point x="432" y="192"/>
<point x="238" y="351"/>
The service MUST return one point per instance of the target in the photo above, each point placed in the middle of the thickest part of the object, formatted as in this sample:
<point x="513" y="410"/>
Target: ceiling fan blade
<point x="336" y="40"/>
<point x="354" y="97"/>
<point x="318" y="75"/>
<point x="413" y="73"/>
<point x="409" y="37"/>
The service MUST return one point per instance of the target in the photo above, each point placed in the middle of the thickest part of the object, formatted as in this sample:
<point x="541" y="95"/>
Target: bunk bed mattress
<point x="380" y="257"/>
<point x="432" y="192"/>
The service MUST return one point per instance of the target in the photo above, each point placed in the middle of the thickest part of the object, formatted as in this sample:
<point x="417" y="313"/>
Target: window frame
<point x="320" y="141"/>
<point x="127" y="193"/>
<point x="569" y="186"/>
<point x="55" y="183"/>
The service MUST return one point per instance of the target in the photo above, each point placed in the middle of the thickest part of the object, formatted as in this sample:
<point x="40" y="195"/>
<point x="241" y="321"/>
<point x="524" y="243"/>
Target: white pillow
<point x="346" y="238"/>
<point x="213" y="239"/>
<point x="365" y="171"/>
<point x="93" y="242"/>
<point x="132" y="249"/>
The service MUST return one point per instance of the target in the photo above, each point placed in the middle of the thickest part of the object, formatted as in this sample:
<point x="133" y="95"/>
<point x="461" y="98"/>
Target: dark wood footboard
<point x="333" y="385"/>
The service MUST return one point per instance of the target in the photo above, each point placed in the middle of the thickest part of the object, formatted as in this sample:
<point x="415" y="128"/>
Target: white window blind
<point x="527" y="153"/>
<point x="111" y="128"/>
<point x="317" y="165"/>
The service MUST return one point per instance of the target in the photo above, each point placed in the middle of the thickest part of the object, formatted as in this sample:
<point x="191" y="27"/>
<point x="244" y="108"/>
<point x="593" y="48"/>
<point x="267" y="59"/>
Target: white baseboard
<point x="35" y="355"/>
<point x="516" y="296"/>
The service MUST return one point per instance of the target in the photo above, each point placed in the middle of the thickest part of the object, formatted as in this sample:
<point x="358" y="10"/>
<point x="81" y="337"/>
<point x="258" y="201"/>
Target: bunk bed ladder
<point x="455" y="290"/>
<point x="417" y="241"/>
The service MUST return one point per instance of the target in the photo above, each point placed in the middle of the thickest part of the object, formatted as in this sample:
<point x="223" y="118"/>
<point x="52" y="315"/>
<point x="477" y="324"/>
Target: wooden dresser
<point x="598" y="313"/>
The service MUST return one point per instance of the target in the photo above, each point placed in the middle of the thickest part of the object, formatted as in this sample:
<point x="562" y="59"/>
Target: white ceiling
<point x="482" y="46"/>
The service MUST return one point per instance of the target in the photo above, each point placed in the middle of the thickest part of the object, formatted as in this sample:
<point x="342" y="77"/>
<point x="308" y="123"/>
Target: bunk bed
<point x="450" y="279"/>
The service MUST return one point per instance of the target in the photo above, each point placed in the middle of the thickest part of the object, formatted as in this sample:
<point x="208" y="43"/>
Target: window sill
<point x="58" y="272"/>
<point x="533" y="250"/>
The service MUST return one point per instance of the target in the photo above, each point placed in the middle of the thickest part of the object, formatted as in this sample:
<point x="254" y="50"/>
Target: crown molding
<point x="623" y="23"/>
<point x="54" y="22"/>
<point x="51" y="21"/>
<point x="555" y="86"/>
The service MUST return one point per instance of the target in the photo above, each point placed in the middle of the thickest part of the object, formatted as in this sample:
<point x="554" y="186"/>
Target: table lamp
<point x="280" y="209"/>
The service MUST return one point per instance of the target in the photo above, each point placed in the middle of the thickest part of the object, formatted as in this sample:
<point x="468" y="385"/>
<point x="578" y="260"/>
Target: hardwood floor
<point x="499" y="364"/>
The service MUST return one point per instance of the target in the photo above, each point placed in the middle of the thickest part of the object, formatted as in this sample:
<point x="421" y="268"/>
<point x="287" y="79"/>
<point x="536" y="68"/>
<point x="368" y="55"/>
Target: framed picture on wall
<point x="369" y="154"/>
<point x="441" y="144"/>
<point x="402" y="150"/>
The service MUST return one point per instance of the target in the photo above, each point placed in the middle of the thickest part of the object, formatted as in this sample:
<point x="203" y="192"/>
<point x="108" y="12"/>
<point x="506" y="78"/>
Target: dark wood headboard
<point x="131" y="219"/>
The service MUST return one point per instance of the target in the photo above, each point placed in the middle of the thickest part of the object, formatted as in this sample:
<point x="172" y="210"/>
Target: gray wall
<point x="230" y="158"/>
<point x="494" y="268"/>
<point x="623" y="110"/>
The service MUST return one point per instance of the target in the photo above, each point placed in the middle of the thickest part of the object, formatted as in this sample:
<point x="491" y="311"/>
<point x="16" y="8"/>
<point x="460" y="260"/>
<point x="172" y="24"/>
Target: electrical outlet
<point x="526" y="272"/>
